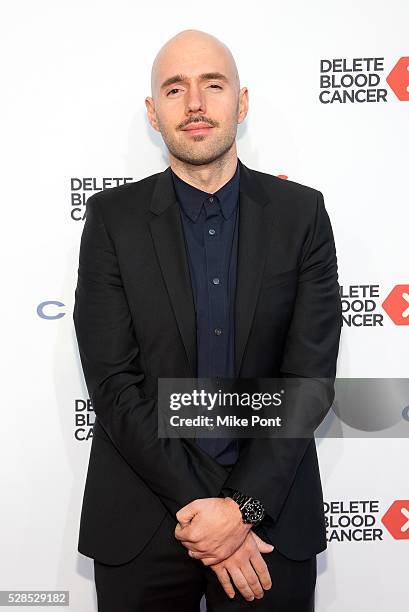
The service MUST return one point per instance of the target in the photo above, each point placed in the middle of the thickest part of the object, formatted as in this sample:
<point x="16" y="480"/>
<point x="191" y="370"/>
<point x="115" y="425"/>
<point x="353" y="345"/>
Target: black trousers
<point x="164" y="578"/>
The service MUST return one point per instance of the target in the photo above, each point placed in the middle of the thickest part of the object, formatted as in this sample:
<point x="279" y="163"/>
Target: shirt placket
<point x="217" y="286"/>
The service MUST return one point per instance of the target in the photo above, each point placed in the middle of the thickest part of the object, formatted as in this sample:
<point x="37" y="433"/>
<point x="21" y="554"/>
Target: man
<point x="207" y="269"/>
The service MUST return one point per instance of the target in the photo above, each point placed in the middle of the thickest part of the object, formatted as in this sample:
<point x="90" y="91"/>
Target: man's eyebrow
<point x="209" y="76"/>
<point x="205" y="76"/>
<point x="177" y="78"/>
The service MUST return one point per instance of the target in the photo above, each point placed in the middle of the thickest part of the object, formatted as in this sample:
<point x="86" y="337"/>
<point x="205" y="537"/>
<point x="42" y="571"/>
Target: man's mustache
<point x="207" y="120"/>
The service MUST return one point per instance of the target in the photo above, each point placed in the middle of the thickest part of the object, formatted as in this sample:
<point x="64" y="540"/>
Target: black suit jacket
<point x="134" y="319"/>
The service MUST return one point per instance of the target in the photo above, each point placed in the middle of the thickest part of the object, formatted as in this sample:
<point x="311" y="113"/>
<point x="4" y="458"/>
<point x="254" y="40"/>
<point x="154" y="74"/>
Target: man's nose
<point x="195" y="100"/>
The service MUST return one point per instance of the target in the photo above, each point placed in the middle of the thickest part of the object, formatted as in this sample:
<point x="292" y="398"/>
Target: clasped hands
<point x="213" y="532"/>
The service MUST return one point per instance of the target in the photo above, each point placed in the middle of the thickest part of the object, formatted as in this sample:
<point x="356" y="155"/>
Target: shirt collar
<point x="192" y="199"/>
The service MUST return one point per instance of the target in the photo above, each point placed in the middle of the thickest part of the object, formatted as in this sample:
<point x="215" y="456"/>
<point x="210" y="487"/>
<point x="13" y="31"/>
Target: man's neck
<point x="207" y="177"/>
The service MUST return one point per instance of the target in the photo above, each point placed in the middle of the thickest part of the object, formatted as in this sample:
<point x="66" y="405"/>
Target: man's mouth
<point x="195" y="129"/>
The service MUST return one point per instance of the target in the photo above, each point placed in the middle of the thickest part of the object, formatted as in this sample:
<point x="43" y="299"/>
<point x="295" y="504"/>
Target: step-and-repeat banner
<point x="329" y="108"/>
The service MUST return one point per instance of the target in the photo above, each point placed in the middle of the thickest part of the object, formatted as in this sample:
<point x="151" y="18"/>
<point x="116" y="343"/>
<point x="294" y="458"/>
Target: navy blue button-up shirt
<point x="210" y="224"/>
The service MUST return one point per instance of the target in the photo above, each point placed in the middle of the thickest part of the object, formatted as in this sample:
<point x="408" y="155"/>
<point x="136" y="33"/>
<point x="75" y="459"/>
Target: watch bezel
<point x="246" y="504"/>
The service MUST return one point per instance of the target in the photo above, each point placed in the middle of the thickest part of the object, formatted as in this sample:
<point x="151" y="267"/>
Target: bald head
<point x="193" y="48"/>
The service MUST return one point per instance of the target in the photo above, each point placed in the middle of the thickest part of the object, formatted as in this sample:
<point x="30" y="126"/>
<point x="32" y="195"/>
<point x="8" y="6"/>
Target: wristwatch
<point x="252" y="510"/>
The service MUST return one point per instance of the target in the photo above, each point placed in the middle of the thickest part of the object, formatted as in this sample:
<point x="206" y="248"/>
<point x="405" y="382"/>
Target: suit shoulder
<point x="123" y="194"/>
<point x="286" y="186"/>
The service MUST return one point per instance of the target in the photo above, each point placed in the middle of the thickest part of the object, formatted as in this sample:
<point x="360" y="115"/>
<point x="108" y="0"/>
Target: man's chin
<point x="198" y="158"/>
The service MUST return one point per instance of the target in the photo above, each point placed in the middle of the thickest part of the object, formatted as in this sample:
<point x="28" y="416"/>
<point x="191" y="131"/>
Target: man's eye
<point x="214" y="85"/>
<point x="172" y="90"/>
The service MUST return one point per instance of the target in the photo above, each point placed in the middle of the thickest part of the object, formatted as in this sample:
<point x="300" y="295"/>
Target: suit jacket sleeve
<point x="267" y="467"/>
<point x="175" y="469"/>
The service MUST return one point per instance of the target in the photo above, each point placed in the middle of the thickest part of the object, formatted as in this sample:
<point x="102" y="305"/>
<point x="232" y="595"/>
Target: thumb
<point x="264" y="547"/>
<point x="185" y="514"/>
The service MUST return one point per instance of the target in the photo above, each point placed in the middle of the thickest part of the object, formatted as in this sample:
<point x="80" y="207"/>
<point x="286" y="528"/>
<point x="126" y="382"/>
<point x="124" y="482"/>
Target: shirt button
<point x="218" y="331"/>
<point x="212" y="231"/>
<point x="216" y="281"/>
<point x="211" y="199"/>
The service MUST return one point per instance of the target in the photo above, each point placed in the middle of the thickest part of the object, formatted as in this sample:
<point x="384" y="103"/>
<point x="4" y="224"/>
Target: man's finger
<point x="262" y="545"/>
<point x="200" y="555"/>
<point x="261" y="569"/>
<point x="188" y="544"/>
<point x="210" y="561"/>
<point x="240" y="582"/>
<point x="252" y="579"/>
<point x="183" y="536"/>
<point x="196" y="554"/>
<point x="217" y="555"/>
<point x="224" y="579"/>
<point x="182" y="524"/>
<point x="182" y="532"/>
<point x="185" y="514"/>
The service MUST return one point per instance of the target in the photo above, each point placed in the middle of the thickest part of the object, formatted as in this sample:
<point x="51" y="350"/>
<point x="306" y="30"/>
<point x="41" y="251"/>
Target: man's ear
<point x="150" y="109"/>
<point x="243" y="104"/>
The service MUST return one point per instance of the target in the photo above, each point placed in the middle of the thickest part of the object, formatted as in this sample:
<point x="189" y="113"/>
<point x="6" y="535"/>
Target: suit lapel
<point x="168" y="237"/>
<point x="253" y="240"/>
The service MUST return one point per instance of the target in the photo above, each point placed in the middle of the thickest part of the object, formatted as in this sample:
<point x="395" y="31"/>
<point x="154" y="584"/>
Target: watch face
<point x="253" y="511"/>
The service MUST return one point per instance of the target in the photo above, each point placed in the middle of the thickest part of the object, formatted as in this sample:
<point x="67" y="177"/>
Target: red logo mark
<point x="397" y="304"/>
<point x="282" y="176"/>
<point x="396" y="519"/>
<point x="398" y="79"/>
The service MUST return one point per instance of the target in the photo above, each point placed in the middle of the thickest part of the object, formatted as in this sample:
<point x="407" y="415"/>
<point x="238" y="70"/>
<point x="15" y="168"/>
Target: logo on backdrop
<point x="50" y="310"/>
<point x="363" y="79"/>
<point x="84" y="419"/>
<point x="353" y="521"/>
<point x="361" y="520"/>
<point x="398" y="79"/>
<point x="396" y="304"/>
<point x="396" y="519"/>
<point x="363" y="306"/>
<point x="82" y="188"/>
<point x="360" y="305"/>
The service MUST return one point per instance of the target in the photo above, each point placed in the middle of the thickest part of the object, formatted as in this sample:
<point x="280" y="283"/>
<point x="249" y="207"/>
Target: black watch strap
<point x="249" y="507"/>
<point x="240" y="498"/>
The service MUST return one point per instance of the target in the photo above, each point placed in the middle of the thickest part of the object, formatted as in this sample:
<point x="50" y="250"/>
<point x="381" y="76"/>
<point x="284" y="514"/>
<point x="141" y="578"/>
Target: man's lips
<point x="197" y="128"/>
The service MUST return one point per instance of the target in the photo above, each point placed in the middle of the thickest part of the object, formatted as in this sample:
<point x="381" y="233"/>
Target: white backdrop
<point x="74" y="78"/>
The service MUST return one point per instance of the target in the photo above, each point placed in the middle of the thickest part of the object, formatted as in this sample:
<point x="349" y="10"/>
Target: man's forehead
<point x="192" y="70"/>
<point x="192" y="61"/>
